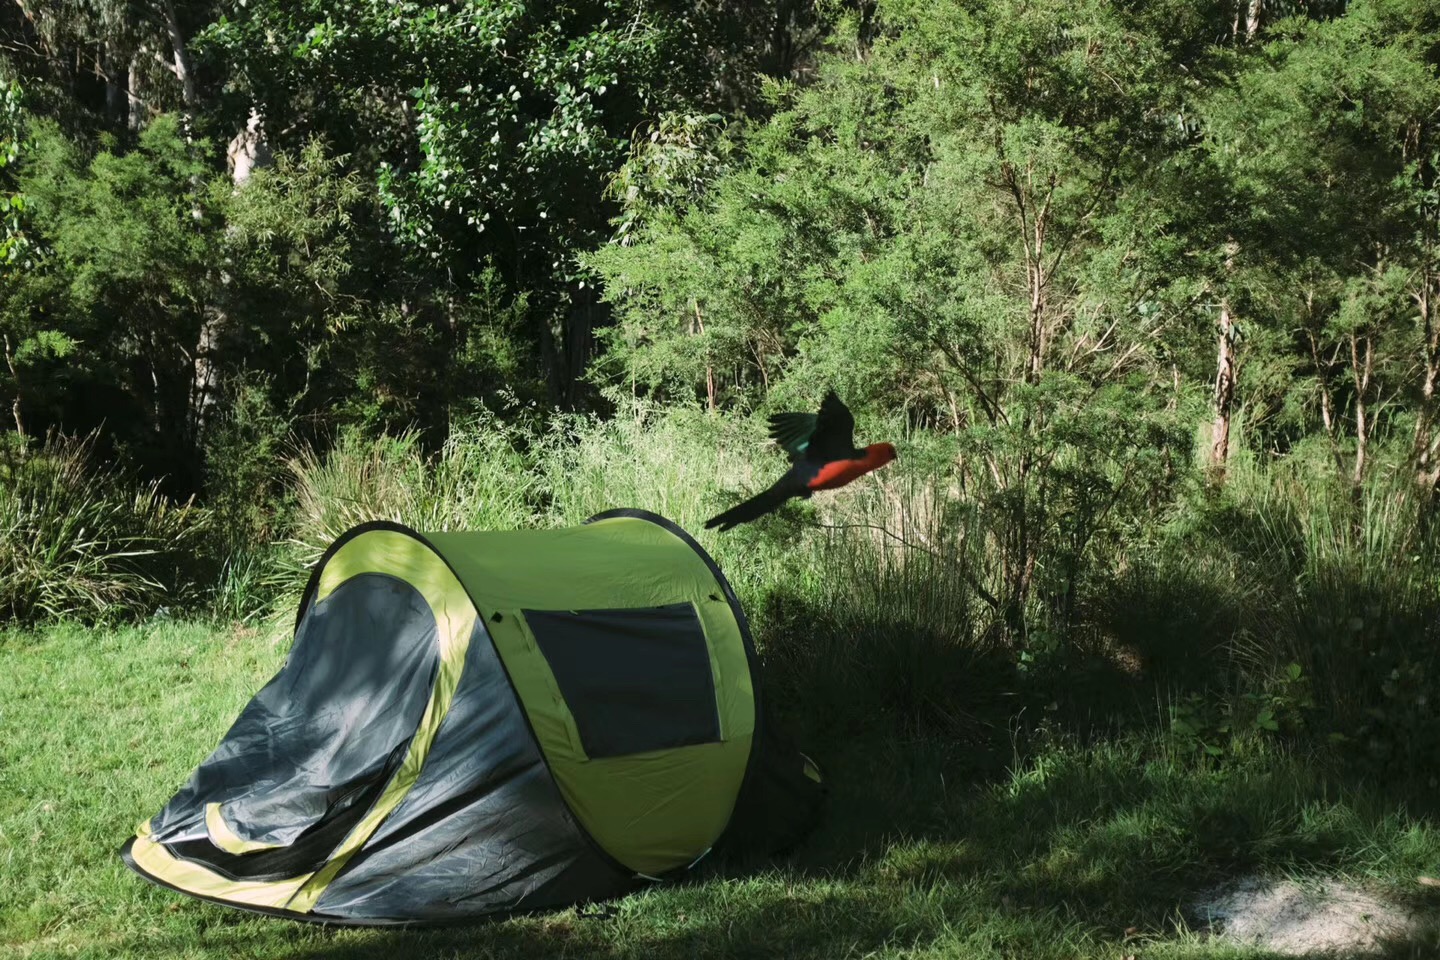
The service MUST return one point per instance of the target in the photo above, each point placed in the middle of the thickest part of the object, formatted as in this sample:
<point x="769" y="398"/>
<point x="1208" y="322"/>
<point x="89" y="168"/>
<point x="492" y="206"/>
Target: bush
<point x="84" y="541"/>
<point x="1311" y="606"/>
<point x="243" y="471"/>
<point x="880" y="634"/>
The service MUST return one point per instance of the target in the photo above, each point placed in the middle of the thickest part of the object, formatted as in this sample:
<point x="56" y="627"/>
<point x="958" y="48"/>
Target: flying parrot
<point x="822" y="457"/>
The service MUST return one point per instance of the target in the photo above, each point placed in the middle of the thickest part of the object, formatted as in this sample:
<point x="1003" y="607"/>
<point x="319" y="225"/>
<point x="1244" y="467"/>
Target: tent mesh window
<point x="635" y="680"/>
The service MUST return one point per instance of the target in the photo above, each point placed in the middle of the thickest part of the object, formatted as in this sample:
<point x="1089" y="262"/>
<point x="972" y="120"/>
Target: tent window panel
<point x="635" y="679"/>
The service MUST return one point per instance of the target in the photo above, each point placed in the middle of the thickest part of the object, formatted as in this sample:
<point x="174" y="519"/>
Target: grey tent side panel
<point x="321" y="737"/>
<point x="483" y="830"/>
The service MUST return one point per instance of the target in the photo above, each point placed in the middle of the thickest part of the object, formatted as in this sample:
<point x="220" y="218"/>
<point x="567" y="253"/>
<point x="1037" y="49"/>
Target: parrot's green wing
<point x="793" y="432"/>
<point x="828" y="435"/>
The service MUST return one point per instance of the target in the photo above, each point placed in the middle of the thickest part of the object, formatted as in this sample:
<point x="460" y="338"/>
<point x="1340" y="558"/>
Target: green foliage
<point x="829" y="251"/>
<point x="1003" y="230"/>
<point x="1214" y="727"/>
<point x="79" y="540"/>
<point x="880" y="629"/>
<point x="13" y="242"/>
<point x="486" y="130"/>
<point x="1326" y="142"/>
<point x="667" y="460"/>
<point x="27" y="339"/>
<point x="1309" y="600"/>
<point x="668" y="169"/>
<point x="477" y="481"/>
<point x="254" y="585"/>
<point x="243" y="469"/>
<point x="122" y="286"/>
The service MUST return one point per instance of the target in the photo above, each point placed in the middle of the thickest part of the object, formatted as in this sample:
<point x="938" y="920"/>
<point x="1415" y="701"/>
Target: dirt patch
<point x="1321" y="918"/>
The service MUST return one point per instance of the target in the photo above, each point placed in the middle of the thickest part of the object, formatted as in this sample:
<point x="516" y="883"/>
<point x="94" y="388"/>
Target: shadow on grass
<point x="976" y="809"/>
<point x="771" y="923"/>
<point x="1084" y="852"/>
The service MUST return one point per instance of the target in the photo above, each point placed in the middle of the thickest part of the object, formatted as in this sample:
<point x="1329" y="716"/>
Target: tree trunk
<point x="1224" y="393"/>
<point x="14" y="375"/>
<point x="110" y="65"/>
<point x="1427" y="438"/>
<point x="1039" y="314"/>
<point x="183" y="73"/>
<point x="1225" y="372"/>
<point x="699" y="328"/>
<point x="1247" y="20"/>
<point x="248" y="150"/>
<point x="1363" y="368"/>
<point x="1327" y="398"/>
<point x="579" y="345"/>
<point x="134" y="104"/>
<point x="205" y="378"/>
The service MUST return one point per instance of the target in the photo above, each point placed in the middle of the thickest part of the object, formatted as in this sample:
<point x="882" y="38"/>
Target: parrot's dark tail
<point x="756" y="506"/>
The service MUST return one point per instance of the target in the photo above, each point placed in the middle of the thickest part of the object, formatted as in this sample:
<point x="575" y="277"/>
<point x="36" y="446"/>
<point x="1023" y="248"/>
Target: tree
<point x="123" y="274"/>
<point x="1327" y="133"/>
<point x="954" y="225"/>
<point x="492" y="127"/>
<point x="26" y="334"/>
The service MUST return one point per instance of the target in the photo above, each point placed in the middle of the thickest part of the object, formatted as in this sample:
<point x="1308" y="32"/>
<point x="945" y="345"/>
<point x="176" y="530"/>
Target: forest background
<point x="1146" y="293"/>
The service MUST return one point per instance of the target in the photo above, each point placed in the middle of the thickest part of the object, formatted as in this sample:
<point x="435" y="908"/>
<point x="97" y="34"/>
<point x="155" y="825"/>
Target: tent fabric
<point x="472" y="724"/>
<point x="307" y="766"/>
<point x="687" y="793"/>
<point x="485" y="809"/>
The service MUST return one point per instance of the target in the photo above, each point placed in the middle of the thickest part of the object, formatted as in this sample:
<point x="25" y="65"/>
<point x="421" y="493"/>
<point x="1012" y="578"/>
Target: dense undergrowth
<point x="1279" y="610"/>
<point x="1242" y="686"/>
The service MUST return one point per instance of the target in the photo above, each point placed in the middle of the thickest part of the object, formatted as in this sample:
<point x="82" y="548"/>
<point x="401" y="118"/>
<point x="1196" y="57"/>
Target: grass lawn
<point x="1077" y="853"/>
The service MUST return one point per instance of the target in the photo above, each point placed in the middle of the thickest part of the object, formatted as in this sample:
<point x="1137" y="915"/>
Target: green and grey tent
<point x="475" y="724"/>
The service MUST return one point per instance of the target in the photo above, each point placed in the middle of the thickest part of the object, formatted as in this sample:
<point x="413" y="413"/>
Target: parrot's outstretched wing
<point x="827" y="435"/>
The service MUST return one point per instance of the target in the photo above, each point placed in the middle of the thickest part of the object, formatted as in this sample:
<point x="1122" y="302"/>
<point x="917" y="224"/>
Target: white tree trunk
<point x="134" y="104"/>
<point x="183" y="73"/>
<point x="1362" y="365"/>
<point x="1225" y="374"/>
<point x="249" y="150"/>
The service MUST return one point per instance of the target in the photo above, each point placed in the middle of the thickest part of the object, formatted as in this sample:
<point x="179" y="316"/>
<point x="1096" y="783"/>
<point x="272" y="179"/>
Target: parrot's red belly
<point x="837" y="473"/>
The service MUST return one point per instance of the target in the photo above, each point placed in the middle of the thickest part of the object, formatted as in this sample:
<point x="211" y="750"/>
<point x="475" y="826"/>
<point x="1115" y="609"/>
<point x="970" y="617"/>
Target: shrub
<point x="81" y="540"/>
<point x="243" y="468"/>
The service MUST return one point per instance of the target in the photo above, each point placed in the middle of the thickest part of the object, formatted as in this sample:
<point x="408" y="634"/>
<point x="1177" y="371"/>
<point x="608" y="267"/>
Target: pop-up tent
<point x="474" y="724"/>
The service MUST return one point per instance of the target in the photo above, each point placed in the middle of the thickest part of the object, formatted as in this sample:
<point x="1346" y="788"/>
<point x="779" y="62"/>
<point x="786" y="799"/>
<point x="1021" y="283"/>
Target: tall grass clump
<point x="669" y="461"/>
<point x="889" y="634"/>
<point x="78" y="539"/>
<point x="1181" y="617"/>
<point x="683" y="463"/>
<point x="479" y="480"/>
<point x="253" y="581"/>
<point x="1316" y="603"/>
<point x="1363" y="618"/>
